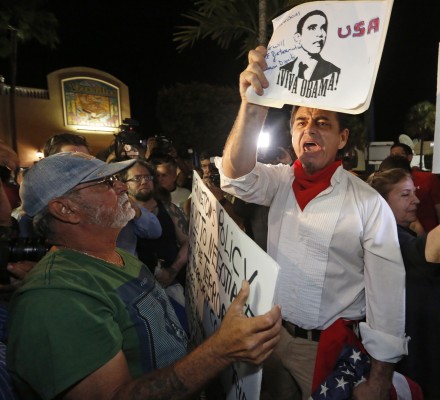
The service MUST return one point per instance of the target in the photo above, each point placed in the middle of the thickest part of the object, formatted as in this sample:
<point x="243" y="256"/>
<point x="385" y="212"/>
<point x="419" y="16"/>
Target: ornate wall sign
<point x="91" y="103"/>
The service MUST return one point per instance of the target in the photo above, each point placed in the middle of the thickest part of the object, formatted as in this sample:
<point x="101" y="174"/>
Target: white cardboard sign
<point x="221" y="257"/>
<point x="326" y="55"/>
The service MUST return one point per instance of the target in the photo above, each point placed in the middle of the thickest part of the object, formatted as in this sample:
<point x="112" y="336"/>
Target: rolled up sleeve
<point x="258" y="186"/>
<point x="383" y="333"/>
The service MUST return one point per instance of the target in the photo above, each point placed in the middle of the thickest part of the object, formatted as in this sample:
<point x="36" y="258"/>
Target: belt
<point x="296" y="331"/>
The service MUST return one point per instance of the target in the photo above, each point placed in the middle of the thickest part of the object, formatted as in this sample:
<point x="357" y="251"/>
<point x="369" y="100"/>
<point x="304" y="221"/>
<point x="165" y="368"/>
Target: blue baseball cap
<point x="55" y="175"/>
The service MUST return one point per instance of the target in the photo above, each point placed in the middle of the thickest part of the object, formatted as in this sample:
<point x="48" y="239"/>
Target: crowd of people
<point x="102" y="314"/>
<point x="106" y="315"/>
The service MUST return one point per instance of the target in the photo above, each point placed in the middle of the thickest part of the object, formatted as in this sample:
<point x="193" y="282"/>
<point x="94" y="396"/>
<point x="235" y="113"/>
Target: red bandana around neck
<point x="307" y="187"/>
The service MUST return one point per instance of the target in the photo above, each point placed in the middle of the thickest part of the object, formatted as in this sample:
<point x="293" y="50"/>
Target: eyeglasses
<point x="108" y="180"/>
<point x="140" y="178"/>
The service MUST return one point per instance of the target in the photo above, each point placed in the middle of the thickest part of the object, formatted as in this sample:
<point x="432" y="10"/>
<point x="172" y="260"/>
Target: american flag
<point x="353" y="367"/>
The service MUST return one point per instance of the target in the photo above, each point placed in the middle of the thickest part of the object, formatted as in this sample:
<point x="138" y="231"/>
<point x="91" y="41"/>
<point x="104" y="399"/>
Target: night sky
<point x="132" y="40"/>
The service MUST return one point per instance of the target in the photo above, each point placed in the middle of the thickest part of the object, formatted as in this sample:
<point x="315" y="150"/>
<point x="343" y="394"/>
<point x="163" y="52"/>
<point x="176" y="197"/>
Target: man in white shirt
<point x="334" y="239"/>
<point x="167" y="176"/>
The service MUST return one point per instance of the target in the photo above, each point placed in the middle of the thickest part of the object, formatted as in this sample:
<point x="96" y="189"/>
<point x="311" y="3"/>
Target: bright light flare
<point x="263" y="140"/>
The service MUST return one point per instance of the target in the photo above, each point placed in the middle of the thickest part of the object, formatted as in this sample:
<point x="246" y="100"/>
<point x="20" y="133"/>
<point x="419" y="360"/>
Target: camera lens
<point x="27" y="249"/>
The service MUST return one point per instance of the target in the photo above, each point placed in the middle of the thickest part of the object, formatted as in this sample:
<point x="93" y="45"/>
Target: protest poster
<point x="221" y="256"/>
<point x="326" y="55"/>
<point x="436" y="158"/>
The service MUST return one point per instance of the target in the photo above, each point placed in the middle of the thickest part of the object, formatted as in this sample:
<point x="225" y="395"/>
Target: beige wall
<point x="38" y="118"/>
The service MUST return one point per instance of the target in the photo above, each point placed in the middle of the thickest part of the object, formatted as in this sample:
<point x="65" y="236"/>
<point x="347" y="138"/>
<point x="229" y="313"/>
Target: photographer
<point x="128" y="143"/>
<point x="160" y="148"/>
<point x="9" y="159"/>
<point x="157" y="147"/>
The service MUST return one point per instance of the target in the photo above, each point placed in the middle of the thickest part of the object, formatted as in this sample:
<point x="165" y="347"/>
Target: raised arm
<point x="239" y="155"/>
<point x="238" y="339"/>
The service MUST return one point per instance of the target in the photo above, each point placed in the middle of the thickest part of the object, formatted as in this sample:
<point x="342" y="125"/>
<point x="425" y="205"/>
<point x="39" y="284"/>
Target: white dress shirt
<point x="339" y="257"/>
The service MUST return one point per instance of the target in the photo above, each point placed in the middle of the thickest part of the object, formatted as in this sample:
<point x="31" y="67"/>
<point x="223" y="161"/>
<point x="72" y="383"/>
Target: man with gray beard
<point x="90" y="321"/>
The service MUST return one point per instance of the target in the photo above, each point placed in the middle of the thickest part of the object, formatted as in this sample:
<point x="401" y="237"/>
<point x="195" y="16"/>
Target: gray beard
<point x="124" y="214"/>
<point x="103" y="216"/>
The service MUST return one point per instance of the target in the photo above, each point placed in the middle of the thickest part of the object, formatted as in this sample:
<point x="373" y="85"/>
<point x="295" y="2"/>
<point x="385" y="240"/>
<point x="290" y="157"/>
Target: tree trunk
<point x="262" y="25"/>
<point x="12" y="113"/>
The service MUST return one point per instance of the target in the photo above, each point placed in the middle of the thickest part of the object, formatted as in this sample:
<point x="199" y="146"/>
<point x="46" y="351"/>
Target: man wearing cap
<point x="90" y="321"/>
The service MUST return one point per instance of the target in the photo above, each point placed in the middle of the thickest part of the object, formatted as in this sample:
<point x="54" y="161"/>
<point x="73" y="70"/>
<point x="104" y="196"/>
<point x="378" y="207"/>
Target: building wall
<point x="40" y="113"/>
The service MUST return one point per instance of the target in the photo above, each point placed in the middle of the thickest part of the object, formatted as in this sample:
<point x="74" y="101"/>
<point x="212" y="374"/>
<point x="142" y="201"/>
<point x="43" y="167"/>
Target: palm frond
<point x="228" y="21"/>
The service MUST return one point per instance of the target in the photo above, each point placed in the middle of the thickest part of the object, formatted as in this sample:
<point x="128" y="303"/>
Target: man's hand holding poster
<point x="326" y="55"/>
<point x="221" y="257"/>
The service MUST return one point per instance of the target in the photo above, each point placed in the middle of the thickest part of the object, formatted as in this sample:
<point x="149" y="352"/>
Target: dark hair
<point x="204" y="155"/>
<point x="384" y="181"/>
<point x="166" y="160"/>
<point x="395" y="162"/>
<point x="159" y="193"/>
<point x="143" y="163"/>
<point x="303" y="19"/>
<point x="408" y="150"/>
<point x="42" y="223"/>
<point x="54" y="143"/>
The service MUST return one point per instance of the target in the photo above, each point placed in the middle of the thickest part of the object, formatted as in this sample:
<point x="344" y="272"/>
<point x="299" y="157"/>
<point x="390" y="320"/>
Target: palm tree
<point x="262" y="24"/>
<point x="226" y="21"/>
<point x="23" y="20"/>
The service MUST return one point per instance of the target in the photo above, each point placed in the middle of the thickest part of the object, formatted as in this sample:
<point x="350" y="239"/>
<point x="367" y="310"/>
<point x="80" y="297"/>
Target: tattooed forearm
<point x="163" y="384"/>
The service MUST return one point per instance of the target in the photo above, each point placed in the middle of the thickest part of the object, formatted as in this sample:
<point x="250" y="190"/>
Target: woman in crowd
<point x="421" y="255"/>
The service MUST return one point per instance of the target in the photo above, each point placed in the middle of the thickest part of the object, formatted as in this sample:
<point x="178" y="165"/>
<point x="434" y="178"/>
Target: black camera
<point x="163" y="144"/>
<point x="215" y="178"/>
<point x="128" y="142"/>
<point x="20" y="249"/>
